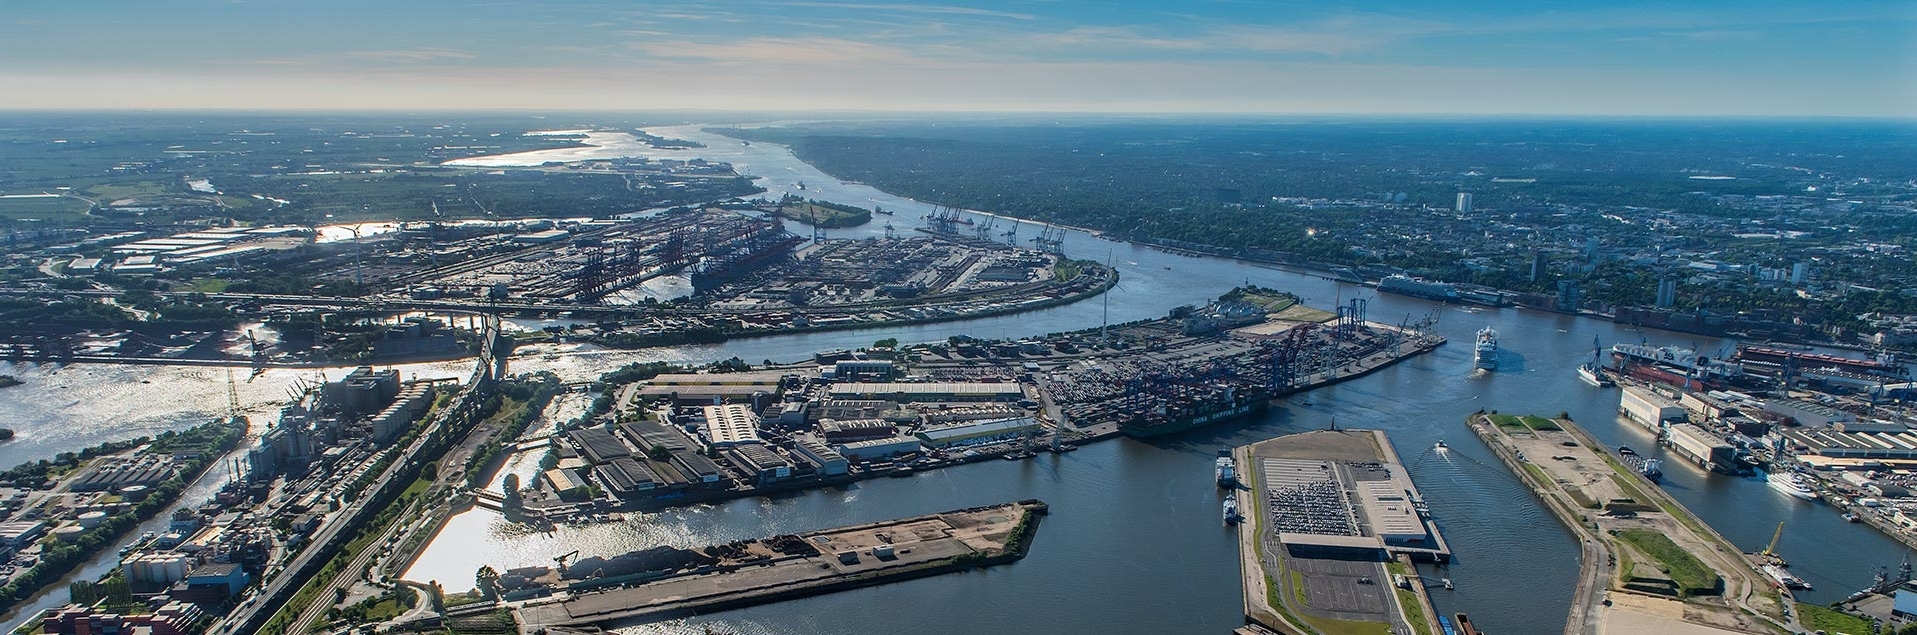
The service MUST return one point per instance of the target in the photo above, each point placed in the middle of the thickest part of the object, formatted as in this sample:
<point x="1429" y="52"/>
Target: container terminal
<point x="682" y="438"/>
<point x="1333" y="530"/>
<point x="665" y="582"/>
<point x="1649" y="565"/>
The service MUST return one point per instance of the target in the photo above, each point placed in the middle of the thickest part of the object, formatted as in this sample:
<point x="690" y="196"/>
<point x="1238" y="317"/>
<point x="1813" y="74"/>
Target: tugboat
<point x="1487" y="351"/>
<point x="1231" y="509"/>
<point x="1226" y="470"/>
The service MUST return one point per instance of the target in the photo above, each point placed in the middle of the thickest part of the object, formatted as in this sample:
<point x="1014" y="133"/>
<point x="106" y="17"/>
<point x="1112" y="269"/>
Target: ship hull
<point x="1193" y="422"/>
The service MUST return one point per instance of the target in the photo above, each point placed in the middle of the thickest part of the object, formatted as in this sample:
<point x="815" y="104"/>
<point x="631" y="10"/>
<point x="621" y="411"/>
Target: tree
<point x="511" y="485"/>
<point x="890" y="342"/>
<point x="487" y="581"/>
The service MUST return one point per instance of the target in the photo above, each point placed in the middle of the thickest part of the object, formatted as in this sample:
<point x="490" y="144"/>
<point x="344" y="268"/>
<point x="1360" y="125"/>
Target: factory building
<point x="730" y="425"/>
<point x="1648" y="408"/>
<point x="877" y="449"/>
<point x="937" y="391"/>
<point x="362" y="391"/>
<point x="980" y="432"/>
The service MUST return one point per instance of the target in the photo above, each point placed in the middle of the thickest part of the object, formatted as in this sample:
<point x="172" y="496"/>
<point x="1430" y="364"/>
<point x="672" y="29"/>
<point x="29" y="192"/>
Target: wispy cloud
<point x="409" y="56"/>
<point x="937" y="9"/>
<point x="768" y="50"/>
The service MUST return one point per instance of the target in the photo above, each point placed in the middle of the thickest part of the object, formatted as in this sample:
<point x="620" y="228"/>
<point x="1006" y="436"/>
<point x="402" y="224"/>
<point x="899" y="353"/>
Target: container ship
<point x="1487" y="351"/>
<point x="1196" y="415"/>
<point x="1227" y="470"/>
<point x="1791" y="483"/>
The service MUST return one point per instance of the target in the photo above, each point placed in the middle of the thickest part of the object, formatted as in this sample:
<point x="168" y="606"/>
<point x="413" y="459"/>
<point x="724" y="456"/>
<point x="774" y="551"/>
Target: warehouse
<point x="625" y="477"/>
<point x="932" y="391"/>
<point x="761" y="462"/>
<point x="697" y="467"/>
<point x="598" y="445"/>
<point x="1391" y="516"/>
<point x="980" y="432"/>
<point x="847" y="430"/>
<point x="875" y="449"/>
<point x="647" y="435"/>
<point x="1648" y="408"/>
<point x="830" y="462"/>
<point x="729" y="425"/>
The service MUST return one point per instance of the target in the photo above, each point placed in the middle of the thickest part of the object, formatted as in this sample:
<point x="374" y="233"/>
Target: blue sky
<point x="1737" y="58"/>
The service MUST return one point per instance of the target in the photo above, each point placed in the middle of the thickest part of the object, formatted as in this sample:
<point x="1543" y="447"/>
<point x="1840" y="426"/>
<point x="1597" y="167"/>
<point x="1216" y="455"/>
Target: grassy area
<point x="1538" y="423"/>
<point x="208" y="285"/>
<point x="1302" y="313"/>
<point x="826" y="215"/>
<point x="44" y="208"/>
<point x="1414" y="612"/>
<point x="1829" y="620"/>
<point x="1691" y="575"/>
<point x="1066" y="270"/>
<point x="1508" y="423"/>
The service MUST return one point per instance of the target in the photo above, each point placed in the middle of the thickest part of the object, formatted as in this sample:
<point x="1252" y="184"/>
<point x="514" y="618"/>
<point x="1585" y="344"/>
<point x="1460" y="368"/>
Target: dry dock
<point x="1332" y="526"/>
<point x="785" y="567"/>
<point x="1649" y="565"/>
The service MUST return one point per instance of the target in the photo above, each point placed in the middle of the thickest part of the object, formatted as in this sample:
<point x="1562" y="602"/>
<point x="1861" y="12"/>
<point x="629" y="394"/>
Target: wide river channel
<point x="1134" y="543"/>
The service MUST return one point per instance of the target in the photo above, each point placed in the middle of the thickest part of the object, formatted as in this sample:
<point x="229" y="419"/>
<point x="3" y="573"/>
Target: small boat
<point x="1231" y="510"/>
<point x="1440" y="445"/>
<point x="1852" y="518"/>
<point x="1447" y="584"/>
<point x="1626" y="450"/>
<point x="1226" y="470"/>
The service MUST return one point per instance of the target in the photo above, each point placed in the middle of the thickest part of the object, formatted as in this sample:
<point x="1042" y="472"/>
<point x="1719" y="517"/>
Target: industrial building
<point x="729" y="425"/>
<point x="598" y="446"/>
<point x="847" y="430"/>
<point x="876" y="449"/>
<point x="1842" y="441"/>
<point x="937" y="391"/>
<point x="761" y="462"/>
<point x="1807" y="413"/>
<point x="1392" y="517"/>
<point x="828" y="460"/>
<point x="857" y="370"/>
<point x="624" y="477"/>
<point x="1649" y="409"/>
<point x="980" y="432"/>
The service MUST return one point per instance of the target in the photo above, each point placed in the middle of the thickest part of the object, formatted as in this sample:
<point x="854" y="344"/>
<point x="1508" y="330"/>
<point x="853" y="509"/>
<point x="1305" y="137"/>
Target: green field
<point x="1691" y="575"/>
<point x="44" y="208"/>
<point x="1828" y="620"/>
<point x="1540" y="423"/>
<point x="1508" y="423"/>
<point x="822" y="214"/>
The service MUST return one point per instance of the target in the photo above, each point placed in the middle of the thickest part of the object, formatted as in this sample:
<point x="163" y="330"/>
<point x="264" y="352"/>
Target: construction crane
<point x="1771" y="549"/>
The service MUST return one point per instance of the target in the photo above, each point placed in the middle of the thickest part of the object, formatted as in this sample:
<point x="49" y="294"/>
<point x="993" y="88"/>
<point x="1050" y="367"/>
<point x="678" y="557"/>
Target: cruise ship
<point x="1791" y="483"/>
<point x="1487" y="350"/>
<point x="1419" y="288"/>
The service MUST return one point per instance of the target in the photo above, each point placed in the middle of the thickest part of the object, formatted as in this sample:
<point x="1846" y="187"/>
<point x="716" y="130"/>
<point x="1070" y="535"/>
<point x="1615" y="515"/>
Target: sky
<point x="1416" y="57"/>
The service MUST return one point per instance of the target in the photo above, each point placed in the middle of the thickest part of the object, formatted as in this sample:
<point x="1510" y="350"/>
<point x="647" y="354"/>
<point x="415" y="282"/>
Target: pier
<point x="1649" y="565"/>
<point x="1333" y="528"/>
<point x="669" y="582"/>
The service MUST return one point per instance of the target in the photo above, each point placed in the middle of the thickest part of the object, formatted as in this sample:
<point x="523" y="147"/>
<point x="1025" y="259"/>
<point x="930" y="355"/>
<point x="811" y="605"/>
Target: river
<point x="1133" y="544"/>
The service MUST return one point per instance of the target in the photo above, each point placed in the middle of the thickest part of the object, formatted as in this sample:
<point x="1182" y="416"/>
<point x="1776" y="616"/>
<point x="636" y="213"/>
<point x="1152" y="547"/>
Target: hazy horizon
<point x="1376" y="57"/>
